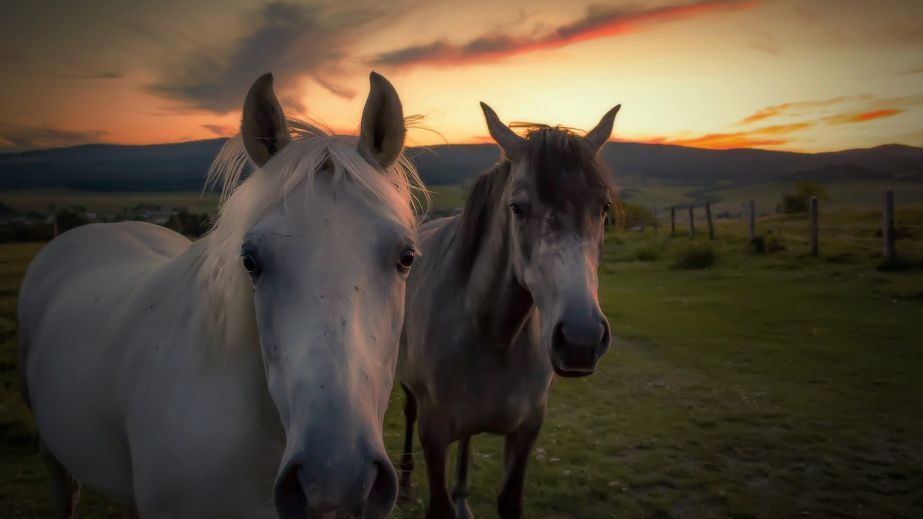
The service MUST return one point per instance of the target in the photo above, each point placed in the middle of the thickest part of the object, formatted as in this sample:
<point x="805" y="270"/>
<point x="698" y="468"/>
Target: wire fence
<point x="869" y="231"/>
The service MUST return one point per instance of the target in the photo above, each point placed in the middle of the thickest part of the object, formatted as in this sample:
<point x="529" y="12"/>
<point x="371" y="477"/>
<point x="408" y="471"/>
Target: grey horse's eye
<point x="251" y="265"/>
<point x="406" y="260"/>
<point x="606" y="208"/>
<point x="517" y="210"/>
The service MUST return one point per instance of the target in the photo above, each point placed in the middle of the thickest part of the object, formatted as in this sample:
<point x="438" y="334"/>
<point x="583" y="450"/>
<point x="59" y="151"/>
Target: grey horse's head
<point x="328" y="265"/>
<point x="556" y="198"/>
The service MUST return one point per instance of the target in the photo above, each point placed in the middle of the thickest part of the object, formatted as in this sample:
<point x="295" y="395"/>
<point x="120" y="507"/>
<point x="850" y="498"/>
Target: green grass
<point x="845" y="194"/>
<point x="858" y="194"/>
<point x="659" y="196"/>
<point x="766" y="386"/>
<point x="447" y="197"/>
<point x="106" y="203"/>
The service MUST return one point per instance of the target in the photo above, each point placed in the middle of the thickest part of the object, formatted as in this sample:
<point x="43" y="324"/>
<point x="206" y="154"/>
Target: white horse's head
<point x="328" y="262"/>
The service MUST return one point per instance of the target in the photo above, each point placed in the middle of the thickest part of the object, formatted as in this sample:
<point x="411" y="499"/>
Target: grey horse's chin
<point x="572" y="373"/>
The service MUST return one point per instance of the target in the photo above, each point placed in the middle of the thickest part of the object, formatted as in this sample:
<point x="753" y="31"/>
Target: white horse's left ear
<point x="382" y="131"/>
<point x="600" y="135"/>
<point x="263" y="125"/>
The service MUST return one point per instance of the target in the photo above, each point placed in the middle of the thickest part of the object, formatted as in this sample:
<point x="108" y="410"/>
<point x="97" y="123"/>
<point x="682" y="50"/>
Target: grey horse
<point x="503" y="297"/>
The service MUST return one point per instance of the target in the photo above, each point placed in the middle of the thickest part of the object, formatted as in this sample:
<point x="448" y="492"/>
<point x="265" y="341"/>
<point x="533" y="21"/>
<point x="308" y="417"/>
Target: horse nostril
<point x="383" y="492"/>
<point x="606" y="337"/>
<point x="289" y="494"/>
<point x="558" y="341"/>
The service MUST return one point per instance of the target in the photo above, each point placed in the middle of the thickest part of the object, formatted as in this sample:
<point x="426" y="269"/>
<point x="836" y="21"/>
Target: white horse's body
<point x="122" y="392"/>
<point x="245" y="374"/>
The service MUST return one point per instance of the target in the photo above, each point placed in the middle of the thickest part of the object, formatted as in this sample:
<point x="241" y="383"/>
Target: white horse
<point x="247" y="373"/>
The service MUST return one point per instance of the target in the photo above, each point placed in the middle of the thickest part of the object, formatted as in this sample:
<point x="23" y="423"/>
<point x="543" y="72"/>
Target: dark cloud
<point x="21" y="138"/>
<point x="221" y="130"/>
<point x="599" y="21"/>
<point x="290" y="40"/>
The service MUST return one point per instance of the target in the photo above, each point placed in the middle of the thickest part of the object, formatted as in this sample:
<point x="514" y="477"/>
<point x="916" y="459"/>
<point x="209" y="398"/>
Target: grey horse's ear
<point x="382" y="131"/>
<point x="511" y="143"/>
<point x="600" y="135"/>
<point x="263" y="125"/>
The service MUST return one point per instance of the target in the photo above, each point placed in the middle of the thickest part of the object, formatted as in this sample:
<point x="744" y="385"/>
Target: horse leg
<point x="410" y="417"/>
<point x="64" y="488"/>
<point x="435" y="446"/>
<point x="460" y="491"/>
<point x="516" y="451"/>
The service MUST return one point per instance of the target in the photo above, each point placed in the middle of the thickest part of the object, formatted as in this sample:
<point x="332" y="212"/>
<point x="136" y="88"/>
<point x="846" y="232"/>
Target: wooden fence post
<point x="751" y="217"/>
<point x="711" y="227"/>
<point x="656" y="222"/>
<point x="691" y="224"/>
<point x="814" y="226"/>
<point x="672" y="221"/>
<point x="887" y="227"/>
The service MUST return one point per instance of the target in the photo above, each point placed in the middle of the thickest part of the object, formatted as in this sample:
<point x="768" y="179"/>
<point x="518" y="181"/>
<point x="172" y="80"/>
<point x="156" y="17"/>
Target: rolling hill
<point x="182" y="166"/>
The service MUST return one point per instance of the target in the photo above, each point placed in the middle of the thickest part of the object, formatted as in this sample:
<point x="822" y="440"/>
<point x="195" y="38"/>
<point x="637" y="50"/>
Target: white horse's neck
<point x="225" y="306"/>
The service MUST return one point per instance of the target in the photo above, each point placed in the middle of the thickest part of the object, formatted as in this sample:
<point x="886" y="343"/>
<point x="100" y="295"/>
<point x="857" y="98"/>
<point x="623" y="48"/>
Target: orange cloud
<point x="598" y="22"/>
<point x="863" y="116"/>
<point x="766" y="136"/>
<point x="785" y="108"/>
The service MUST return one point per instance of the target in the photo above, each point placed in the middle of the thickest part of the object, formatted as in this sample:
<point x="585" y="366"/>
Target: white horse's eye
<point x="251" y="265"/>
<point x="406" y="260"/>
<point x="606" y="208"/>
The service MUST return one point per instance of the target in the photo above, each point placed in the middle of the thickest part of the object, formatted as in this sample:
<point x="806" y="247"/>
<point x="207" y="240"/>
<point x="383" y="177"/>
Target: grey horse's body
<point x="503" y="297"/>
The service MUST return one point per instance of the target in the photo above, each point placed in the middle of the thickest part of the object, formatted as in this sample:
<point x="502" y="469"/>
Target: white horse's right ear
<point x="263" y="125"/>
<point x="382" y="131"/>
<point x="511" y="143"/>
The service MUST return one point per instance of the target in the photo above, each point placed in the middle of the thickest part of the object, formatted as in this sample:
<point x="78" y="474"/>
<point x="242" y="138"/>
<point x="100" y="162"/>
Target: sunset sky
<point x="807" y="75"/>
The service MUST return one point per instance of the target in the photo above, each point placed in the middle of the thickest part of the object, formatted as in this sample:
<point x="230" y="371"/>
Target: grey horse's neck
<point x="496" y="302"/>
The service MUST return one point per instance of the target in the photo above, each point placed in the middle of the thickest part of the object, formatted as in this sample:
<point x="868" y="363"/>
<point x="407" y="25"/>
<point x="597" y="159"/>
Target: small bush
<point x="757" y="245"/>
<point x="648" y="253"/>
<point x="766" y="244"/>
<point x="899" y="265"/>
<point x="695" y="257"/>
<point x="773" y="244"/>
<point x="843" y="257"/>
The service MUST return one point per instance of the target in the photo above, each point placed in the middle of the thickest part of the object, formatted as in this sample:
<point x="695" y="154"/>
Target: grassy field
<point x="855" y="194"/>
<point x="764" y="386"/>
<point x="106" y="203"/>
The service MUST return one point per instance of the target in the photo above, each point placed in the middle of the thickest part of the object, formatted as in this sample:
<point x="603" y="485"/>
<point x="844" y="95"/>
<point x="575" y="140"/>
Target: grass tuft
<point x="695" y="257"/>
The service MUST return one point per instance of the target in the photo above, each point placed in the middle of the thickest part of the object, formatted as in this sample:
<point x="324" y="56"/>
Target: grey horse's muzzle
<point x="577" y="344"/>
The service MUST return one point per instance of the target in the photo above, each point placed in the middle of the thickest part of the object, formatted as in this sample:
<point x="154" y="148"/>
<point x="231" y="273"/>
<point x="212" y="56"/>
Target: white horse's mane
<point x="243" y="202"/>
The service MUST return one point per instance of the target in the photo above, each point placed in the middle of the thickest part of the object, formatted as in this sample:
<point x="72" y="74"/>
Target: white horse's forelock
<point x="243" y="202"/>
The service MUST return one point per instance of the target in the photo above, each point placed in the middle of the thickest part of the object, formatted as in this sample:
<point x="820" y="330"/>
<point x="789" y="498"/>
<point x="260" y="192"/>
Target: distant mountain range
<point x="182" y="167"/>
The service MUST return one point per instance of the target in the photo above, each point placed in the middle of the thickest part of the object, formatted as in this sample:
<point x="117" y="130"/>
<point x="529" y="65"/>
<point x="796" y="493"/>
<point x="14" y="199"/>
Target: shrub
<point x="766" y="244"/>
<point x="648" y="253"/>
<point x="773" y="244"/>
<point x="794" y="203"/>
<point x="843" y="257"/>
<point x="899" y="265"/>
<point x="695" y="257"/>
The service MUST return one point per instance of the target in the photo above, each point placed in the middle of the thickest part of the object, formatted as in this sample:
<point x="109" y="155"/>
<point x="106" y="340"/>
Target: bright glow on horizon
<point x="790" y="75"/>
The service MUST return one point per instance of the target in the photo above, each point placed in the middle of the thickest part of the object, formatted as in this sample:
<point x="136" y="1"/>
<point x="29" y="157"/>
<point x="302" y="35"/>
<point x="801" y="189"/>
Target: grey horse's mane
<point x="247" y="192"/>
<point x="565" y="169"/>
